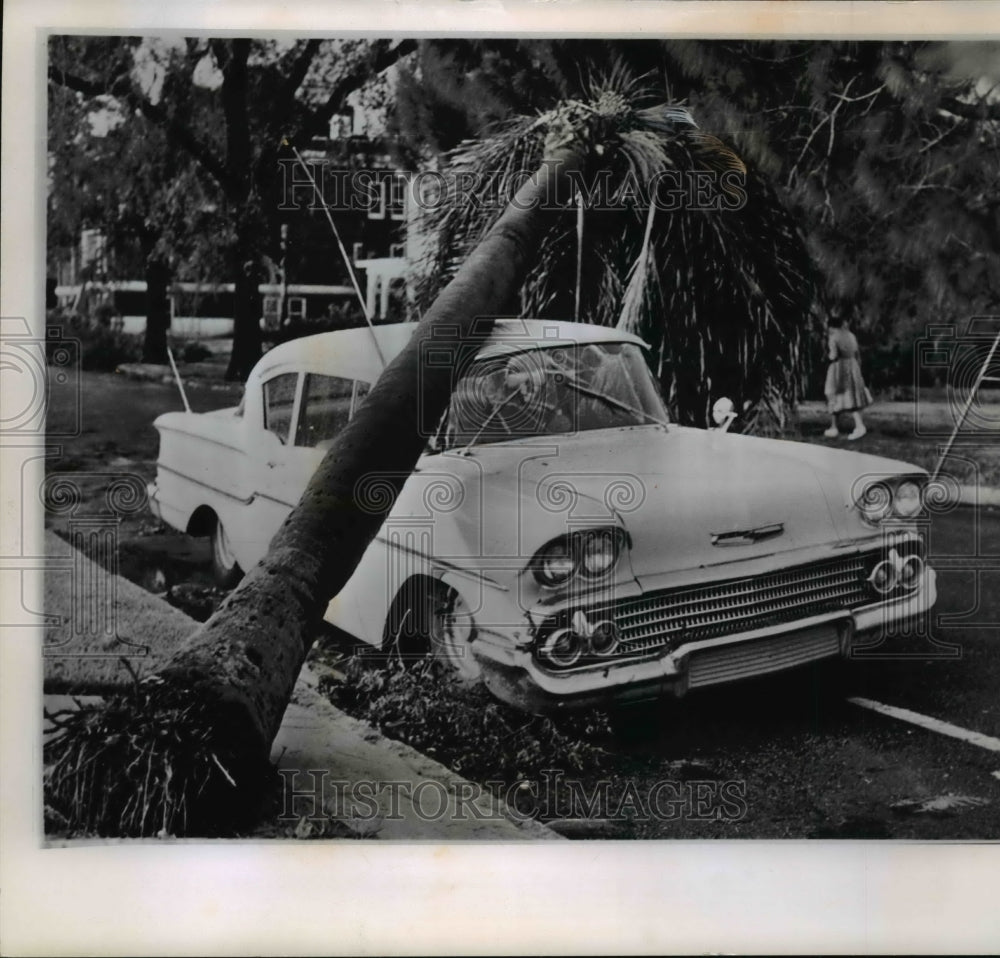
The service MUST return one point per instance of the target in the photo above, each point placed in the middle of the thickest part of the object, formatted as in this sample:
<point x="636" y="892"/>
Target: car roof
<point x="354" y="354"/>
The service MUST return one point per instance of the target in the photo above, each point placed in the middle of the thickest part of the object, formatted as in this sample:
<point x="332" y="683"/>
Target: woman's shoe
<point x="832" y="432"/>
<point x="858" y="433"/>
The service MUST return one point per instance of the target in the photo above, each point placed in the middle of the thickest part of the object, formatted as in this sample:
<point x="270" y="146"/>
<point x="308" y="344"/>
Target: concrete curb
<point x="977" y="496"/>
<point x="124" y="619"/>
<point x="407" y="795"/>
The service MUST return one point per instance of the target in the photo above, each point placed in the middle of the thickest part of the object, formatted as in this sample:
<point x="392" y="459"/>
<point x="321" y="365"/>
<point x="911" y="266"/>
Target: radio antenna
<point x="343" y="251"/>
<point x="180" y="382"/>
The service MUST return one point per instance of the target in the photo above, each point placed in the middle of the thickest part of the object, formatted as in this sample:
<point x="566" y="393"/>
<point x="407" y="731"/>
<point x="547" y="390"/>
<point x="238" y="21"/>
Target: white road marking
<point x="932" y="724"/>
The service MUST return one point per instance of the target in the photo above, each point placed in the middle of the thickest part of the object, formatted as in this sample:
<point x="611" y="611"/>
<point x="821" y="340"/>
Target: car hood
<point x="688" y="498"/>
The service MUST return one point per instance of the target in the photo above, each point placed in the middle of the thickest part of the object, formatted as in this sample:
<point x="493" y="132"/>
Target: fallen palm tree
<point x="186" y="750"/>
<point x="673" y="238"/>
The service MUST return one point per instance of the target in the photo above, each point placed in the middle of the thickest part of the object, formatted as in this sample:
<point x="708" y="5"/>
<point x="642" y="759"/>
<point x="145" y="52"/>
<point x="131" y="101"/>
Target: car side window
<point x="326" y="408"/>
<point x="279" y="401"/>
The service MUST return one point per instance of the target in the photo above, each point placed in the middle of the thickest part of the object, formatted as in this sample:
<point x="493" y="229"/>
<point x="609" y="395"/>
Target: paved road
<point x="802" y="759"/>
<point x="810" y="763"/>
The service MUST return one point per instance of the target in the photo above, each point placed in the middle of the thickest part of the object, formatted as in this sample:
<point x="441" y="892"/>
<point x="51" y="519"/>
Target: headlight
<point x="886" y="498"/>
<point x="555" y="563"/>
<point x="875" y="502"/>
<point x="910" y="572"/>
<point x="564" y="647"/>
<point x="884" y="576"/>
<point x="907" y="500"/>
<point x="591" y="554"/>
<point x="599" y="553"/>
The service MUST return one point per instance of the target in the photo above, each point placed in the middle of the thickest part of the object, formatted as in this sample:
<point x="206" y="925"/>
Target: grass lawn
<point x="117" y="431"/>
<point x="974" y="459"/>
<point x="116" y="437"/>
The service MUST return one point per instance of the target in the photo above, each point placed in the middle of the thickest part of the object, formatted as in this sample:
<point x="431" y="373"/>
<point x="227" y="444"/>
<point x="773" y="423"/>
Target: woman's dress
<point x="845" y="386"/>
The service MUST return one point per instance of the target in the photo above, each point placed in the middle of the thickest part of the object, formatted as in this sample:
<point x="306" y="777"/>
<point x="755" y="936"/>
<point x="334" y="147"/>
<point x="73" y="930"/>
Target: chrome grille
<point x="775" y="653"/>
<point x="676" y="616"/>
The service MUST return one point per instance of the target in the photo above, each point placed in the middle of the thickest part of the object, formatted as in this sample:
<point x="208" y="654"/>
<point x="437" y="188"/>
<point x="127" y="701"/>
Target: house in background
<point x="309" y="285"/>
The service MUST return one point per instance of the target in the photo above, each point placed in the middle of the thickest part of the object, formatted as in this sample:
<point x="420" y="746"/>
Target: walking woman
<point x="845" y="387"/>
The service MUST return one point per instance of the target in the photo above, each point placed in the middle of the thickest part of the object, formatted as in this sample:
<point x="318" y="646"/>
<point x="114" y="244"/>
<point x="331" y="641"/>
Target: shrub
<point x="193" y="352"/>
<point x="102" y="348"/>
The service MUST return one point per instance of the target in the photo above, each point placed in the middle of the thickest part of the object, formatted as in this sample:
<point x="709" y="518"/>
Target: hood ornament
<point x="746" y="537"/>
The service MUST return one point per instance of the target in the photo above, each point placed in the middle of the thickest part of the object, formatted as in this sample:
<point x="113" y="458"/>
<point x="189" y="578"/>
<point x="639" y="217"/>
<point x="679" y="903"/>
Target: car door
<point x="276" y="487"/>
<point x="306" y="418"/>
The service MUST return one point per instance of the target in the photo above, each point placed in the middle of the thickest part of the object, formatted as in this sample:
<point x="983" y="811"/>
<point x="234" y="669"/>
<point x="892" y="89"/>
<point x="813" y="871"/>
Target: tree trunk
<point x="247" y="312"/>
<point x="154" y="343"/>
<point x="252" y="649"/>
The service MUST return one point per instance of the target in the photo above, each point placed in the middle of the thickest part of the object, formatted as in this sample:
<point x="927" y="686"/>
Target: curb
<point x="427" y="801"/>
<point x="976" y="496"/>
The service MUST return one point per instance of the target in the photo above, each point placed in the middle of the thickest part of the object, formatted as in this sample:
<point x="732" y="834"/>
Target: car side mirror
<point x="723" y="414"/>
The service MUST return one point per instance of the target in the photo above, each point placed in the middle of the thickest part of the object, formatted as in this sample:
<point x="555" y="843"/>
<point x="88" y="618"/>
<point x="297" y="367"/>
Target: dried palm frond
<point x="142" y="764"/>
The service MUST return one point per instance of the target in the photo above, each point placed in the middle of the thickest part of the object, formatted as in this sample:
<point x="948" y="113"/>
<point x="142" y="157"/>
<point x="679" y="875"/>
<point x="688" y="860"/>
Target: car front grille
<point x="774" y="653"/>
<point x="673" y="617"/>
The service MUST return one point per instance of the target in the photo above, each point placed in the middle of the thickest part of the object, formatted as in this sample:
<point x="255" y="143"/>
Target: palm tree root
<point x="155" y="761"/>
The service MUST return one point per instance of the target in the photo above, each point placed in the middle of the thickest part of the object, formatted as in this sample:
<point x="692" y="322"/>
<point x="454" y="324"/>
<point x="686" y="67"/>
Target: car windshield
<point x="549" y="392"/>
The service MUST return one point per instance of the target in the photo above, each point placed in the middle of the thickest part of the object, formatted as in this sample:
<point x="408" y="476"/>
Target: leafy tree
<point x="123" y="178"/>
<point x="883" y="154"/>
<point x="235" y="107"/>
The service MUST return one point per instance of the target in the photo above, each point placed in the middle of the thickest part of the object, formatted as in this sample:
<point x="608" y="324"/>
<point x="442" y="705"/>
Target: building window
<point x="377" y="210"/>
<point x="341" y="126"/>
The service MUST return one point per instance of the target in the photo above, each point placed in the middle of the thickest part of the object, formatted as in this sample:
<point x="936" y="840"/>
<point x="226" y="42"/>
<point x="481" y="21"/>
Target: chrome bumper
<point x="515" y="676"/>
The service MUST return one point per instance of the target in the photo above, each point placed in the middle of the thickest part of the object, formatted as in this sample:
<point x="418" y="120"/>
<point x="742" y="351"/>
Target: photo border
<point x="370" y="898"/>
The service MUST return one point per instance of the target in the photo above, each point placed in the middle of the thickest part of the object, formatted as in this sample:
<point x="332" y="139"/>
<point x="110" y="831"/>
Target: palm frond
<point x="719" y="283"/>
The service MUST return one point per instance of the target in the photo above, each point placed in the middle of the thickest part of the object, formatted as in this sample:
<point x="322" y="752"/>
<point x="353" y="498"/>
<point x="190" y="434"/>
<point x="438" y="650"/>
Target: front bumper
<point x="514" y="676"/>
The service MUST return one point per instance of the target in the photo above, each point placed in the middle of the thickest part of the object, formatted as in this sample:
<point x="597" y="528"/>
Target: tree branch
<point x="286" y="96"/>
<point x="971" y="111"/>
<point x="178" y="132"/>
<point x="232" y="59"/>
<point x="380" y="57"/>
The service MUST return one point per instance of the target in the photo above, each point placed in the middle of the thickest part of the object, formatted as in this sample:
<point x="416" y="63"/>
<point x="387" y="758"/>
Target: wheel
<point x="431" y="618"/>
<point x="226" y="569"/>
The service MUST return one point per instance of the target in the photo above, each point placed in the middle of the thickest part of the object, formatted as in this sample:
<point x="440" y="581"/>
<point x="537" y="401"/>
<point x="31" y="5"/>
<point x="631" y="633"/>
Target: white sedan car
<point x="559" y="539"/>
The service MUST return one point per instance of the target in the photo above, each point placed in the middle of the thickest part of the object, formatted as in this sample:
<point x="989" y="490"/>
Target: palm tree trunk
<point x="229" y="686"/>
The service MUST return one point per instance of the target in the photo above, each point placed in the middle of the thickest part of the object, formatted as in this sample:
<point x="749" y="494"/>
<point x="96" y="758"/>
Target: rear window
<point x="279" y="402"/>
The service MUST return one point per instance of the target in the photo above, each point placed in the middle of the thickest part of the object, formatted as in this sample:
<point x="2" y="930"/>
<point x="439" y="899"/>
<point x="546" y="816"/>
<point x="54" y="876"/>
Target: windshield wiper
<point x="464" y="451"/>
<point x="611" y="400"/>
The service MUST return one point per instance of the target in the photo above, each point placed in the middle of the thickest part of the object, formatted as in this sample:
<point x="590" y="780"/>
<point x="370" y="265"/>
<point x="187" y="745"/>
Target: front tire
<point x="431" y="619"/>
<point x="225" y="568"/>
